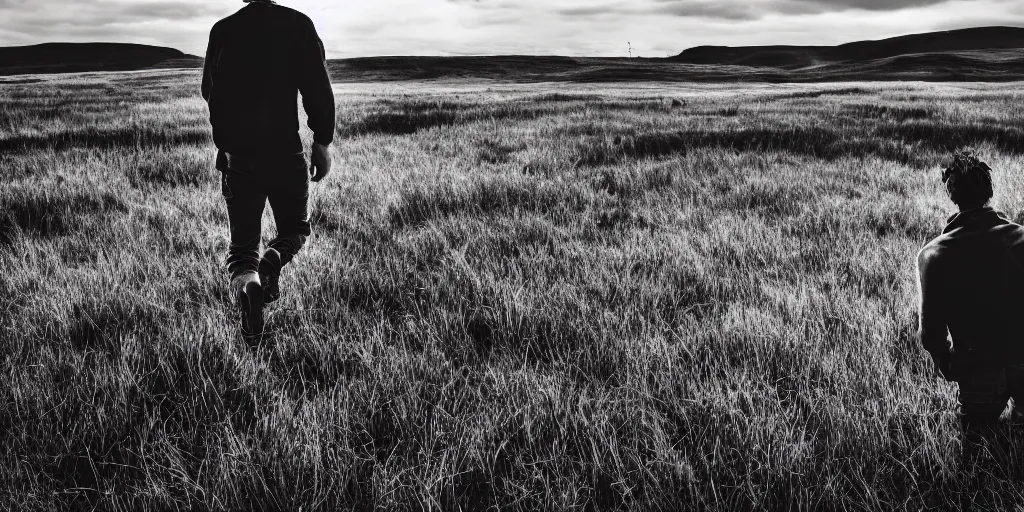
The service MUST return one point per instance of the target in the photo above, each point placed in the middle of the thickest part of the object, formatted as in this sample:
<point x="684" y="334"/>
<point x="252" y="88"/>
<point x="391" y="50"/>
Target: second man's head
<point x="968" y="181"/>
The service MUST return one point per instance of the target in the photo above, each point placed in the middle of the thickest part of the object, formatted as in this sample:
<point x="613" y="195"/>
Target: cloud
<point x="182" y="24"/>
<point x="179" y="10"/>
<point x="720" y="10"/>
<point x="870" y="5"/>
<point x="733" y="10"/>
<point x="655" y="28"/>
<point x="981" y="20"/>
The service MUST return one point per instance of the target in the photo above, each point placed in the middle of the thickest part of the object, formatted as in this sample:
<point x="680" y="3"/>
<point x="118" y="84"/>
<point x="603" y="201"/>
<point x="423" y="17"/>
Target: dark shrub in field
<point x="895" y="113"/>
<point x="845" y="91"/>
<point x="945" y="137"/>
<point x="99" y="325"/>
<point x="770" y="198"/>
<point x="561" y="97"/>
<point x="401" y="123"/>
<point x="409" y="117"/>
<point x="105" y="138"/>
<point x="173" y="169"/>
<point x="821" y="142"/>
<point x="493" y="152"/>
<point x="910" y="141"/>
<point x="44" y="213"/>
<point x="421" y="204"/>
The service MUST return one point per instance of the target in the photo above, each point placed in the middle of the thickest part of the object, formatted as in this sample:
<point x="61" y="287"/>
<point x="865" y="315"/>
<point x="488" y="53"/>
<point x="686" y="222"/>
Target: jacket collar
<point x="976" y="219"/>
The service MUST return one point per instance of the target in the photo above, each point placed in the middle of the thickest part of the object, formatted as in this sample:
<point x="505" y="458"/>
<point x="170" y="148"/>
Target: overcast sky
<point x="656" y="28"/>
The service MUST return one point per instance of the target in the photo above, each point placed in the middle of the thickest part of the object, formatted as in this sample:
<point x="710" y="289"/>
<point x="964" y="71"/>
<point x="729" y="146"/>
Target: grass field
<point x="561" y="297"/>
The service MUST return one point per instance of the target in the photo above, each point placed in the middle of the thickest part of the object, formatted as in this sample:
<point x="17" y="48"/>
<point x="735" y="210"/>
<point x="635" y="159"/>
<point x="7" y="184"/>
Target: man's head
<point x="968" y="181"/>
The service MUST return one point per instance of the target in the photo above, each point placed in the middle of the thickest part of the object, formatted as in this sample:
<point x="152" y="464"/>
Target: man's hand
<point x="320" y="162"/>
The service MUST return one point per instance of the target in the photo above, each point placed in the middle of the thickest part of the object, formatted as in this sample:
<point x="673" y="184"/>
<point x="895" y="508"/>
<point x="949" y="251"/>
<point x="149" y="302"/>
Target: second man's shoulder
<point x="931" y="252"/>
<point x="1013" y="234"/>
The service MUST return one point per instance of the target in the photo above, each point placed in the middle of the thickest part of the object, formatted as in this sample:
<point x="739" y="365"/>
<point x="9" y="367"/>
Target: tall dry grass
<point x="518" y="297"/>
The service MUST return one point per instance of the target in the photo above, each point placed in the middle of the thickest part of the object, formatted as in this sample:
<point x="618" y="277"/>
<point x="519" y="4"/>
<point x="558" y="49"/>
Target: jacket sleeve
<point x="315" y="86"/>
<point x="932" y="331"/>
<point x="208" y="65"/>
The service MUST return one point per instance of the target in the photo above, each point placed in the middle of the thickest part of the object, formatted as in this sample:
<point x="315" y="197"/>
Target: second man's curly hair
<point x="968" y="180"/>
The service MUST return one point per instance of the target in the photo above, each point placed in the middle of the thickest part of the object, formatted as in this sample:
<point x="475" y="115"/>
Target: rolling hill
<point x="79" y="57"/>
<point x="795" y="57"/>
<point x="976" y="54"/>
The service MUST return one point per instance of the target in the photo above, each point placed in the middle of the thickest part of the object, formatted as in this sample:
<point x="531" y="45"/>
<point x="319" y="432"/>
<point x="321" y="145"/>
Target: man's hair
<point x="968" y="180"/>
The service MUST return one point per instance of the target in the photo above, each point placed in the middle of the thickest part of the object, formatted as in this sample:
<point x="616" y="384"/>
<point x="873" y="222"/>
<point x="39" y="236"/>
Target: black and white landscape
<point x="535" y="283"/>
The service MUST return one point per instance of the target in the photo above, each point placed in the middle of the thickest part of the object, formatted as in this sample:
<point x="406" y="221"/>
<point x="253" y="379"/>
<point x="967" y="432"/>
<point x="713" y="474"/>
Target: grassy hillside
<point x="968" y="66"/>
<point x="518" y="296"/>
<point x="793" y="57"/>
<point x="977" y="54"/>
<point x="80" y="57"/>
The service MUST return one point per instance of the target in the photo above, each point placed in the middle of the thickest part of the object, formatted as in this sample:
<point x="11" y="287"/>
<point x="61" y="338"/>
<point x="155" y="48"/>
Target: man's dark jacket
<point x="257" y="62"/>
<point x="972" y="289"/>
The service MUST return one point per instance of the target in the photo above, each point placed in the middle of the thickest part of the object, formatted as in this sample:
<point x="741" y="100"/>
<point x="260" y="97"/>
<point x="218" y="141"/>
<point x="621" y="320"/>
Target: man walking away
<point x="257" y="62"/>
<point x="972" y="298"/>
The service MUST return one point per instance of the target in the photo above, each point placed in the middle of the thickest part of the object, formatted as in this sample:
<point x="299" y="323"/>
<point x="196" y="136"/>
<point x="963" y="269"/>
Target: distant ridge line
<point x="81" y="57"/>
<point x="792" y="57"/>
<point x="993" y="54"/>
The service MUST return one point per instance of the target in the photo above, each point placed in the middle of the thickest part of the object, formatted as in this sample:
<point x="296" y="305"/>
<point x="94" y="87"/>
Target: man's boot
<point x="248" y="294"/>
<point x="270" y="274"/>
